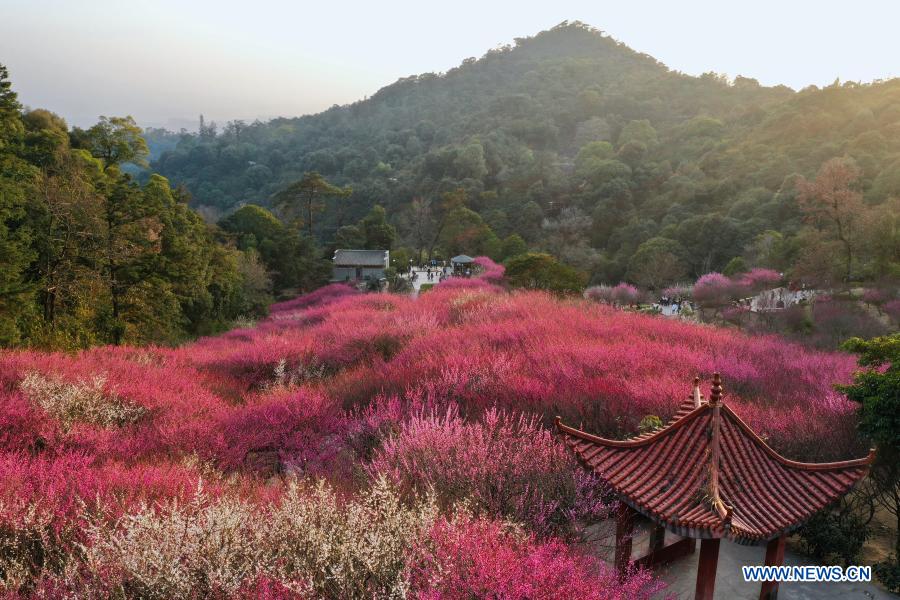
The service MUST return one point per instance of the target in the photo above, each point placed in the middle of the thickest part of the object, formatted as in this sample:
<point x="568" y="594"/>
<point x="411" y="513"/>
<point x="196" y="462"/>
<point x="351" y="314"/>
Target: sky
<point x="167" y="61"/>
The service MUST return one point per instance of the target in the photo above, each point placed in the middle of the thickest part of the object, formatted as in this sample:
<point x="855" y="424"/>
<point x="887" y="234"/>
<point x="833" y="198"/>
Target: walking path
<point x="730" y="585"/>
<point x="681" y="575"/>
<point x="422" y="278"/>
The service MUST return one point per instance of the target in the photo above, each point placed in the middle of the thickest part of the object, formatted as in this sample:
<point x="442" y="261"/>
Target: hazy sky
<point x="166" y="61"/>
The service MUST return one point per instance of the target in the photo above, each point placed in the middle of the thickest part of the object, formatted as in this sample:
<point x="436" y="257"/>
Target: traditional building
<point x="706" y="475"/>
<point x="360" y="265"/>
<point x="462" y="264"/>
<point x="780" y="298"/>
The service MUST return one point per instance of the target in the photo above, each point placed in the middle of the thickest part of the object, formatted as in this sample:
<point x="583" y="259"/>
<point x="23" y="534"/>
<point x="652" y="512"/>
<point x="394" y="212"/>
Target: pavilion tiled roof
<point x="706" y="474"/>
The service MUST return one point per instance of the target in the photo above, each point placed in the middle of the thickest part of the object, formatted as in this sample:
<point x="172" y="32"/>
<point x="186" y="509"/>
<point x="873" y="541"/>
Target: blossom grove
<point x="360" y="445"/>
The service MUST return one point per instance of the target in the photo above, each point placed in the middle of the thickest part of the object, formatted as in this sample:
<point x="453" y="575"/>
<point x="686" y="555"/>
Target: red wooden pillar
<point x="706" y="569"/>
<point x="657" y="539"/>
<point x="774" y="558"/>
<point x="624" y="534"/>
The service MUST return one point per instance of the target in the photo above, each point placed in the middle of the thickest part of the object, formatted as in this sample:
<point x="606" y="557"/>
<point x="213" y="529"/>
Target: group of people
<point x="437" y="271"/>
<point x="430" y="273"/>
<point x="672" y="306"/>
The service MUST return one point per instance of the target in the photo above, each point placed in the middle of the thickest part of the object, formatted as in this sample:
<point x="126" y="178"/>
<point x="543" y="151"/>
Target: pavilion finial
<point x="696" y="394"/>
<point x="715" y="394"/>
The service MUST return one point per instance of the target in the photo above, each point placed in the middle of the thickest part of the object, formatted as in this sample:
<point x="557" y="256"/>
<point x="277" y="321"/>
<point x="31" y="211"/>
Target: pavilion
<point x="461" y="263"/>
<point x="706" y="475"/>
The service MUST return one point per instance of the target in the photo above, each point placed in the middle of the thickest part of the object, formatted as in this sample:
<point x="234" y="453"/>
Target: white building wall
<point x="350" y="273"/>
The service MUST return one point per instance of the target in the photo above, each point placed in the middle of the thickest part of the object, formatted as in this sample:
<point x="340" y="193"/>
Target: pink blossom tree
<point x="713" y="290"/>
<point x="625" y="294"/>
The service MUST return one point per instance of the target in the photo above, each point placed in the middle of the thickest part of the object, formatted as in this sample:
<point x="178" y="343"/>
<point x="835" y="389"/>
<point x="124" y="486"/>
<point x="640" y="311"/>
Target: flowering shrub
<point x="679" y="291"/>
<point x="624" y="294"/>
<point x="482" y="462"/>
<point x="713" y="290"/>
<point x="835" y="321"/>
<point x="892" y="309"/>
<point x="298" y="427"/>
<point x="599" y="293"/>
<point x="323" y="295"/>
<point x="491" y="271"/>
<point x="180" y="551"/>
<point x="80" y="402"/>
<point x="735" y="314"/>
<point x="45" y="502"/>
<point x="467" y="557"/>
<point x="874" y="296"/>
<point x="758" y="279"/>
<point x="309" y="541"/>
<point x="23" y="426"/>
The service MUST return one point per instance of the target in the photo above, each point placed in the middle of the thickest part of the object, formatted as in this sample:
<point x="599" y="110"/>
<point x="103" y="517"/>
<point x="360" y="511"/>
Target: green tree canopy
<point x="656" y="263"/>
<point x="376" y="232"/>
<point x="117" y="140"/>
<point x="306" y="197"/>
<point x="535" y="271"/>
<point x="877" y="391"/>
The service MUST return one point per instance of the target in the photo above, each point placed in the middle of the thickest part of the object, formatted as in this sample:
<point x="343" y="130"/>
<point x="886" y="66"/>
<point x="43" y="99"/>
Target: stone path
<point x="681" y="575"/>
<point x="423" y="279"/>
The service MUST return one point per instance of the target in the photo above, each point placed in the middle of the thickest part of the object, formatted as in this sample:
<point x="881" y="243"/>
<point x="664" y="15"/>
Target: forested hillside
<point x="588" y="150"/>
<point x="89" y="256"/>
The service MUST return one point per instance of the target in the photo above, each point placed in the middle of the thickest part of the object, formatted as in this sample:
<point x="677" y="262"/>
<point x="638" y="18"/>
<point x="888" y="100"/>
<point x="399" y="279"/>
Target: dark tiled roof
<point x="360" y="258"/>
<point x="462" y="259"/>
<point x="708" y="475"/>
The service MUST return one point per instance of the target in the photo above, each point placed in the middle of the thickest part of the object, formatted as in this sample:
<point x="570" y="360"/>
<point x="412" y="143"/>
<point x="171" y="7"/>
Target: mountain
<point x="576" y="143"/>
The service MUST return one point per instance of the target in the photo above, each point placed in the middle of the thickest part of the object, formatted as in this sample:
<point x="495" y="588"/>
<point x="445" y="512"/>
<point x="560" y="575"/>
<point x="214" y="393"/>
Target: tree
<point x="713" y="290"/>
<point x="255" y="284"/>
<point x="877" y="391"/>
<point x="638" y="131"/>
<point x="881" y="240"/>
<point x="67" y="215"/>
<point x="377" y="233"/>
<point x="307" y="196"/>
<point x="535" y="271"/>
<point x="593" y="151"/>
<point x="128" y="239"/>
<point x="657" y="263"/>
<point x="254" y="226"/>
<point x="709" y="240"/>
<point x="513" y="245"/>
<point x="465" y="232"/>
<point x="349" y="236"/>
<point x="450" y="201"/>
<point x="600" y="171"/>
<point x="830" y="203"/>
<point x="11" y="127"/>
<point x="117" y="140"/>
<point x="16" y="179"/>
<point x="89" y="256"/>
<point x="469" y="162"/>
<point x="421" y="224"/>
<point x="735" y="266"/>
<point x="291" y="257"/>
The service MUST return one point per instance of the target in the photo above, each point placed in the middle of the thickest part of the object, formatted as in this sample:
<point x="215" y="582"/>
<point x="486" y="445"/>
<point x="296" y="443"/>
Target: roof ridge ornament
<point x="715" y="449"/>
<point x="696" y="394"/>
<point x="715" y="393"/>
